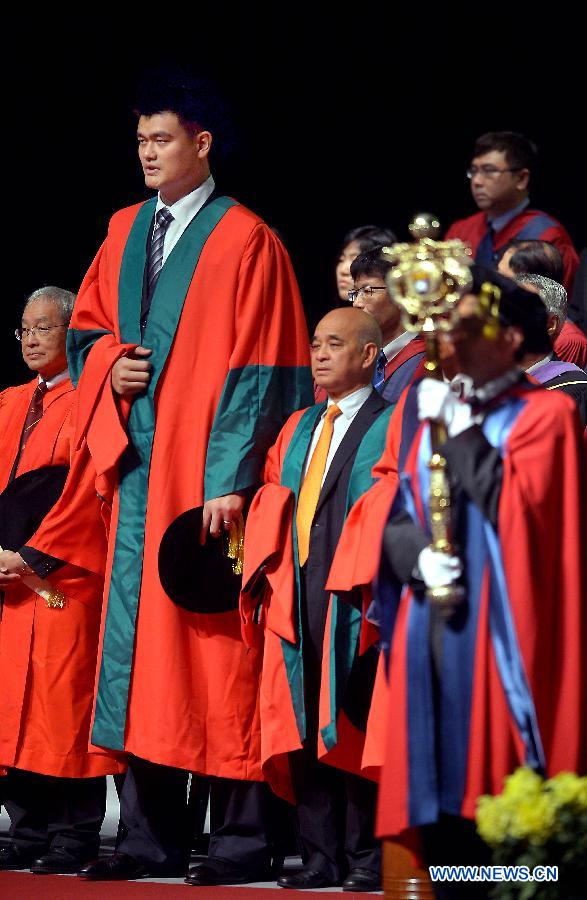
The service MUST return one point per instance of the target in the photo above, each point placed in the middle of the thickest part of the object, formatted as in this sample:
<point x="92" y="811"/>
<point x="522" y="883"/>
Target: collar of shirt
<point x="57" y="379"/>
<point x="349" y="407"/>
<point x="499" y="222"/>
<point x="393" y="348"/>
<point x="183" y="211"/>
<point x="539" y="364"/>
<point x="351" y="404"/>
<point x="488" y="392"/>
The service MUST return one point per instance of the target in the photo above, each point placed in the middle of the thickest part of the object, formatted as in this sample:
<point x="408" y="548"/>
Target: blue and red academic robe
<point x="405" y="368"/>
<point x="229" y="364"/>
<point x="270" y="608"/>
<point x="530" y="224"/>
<point x="512" y="679"/>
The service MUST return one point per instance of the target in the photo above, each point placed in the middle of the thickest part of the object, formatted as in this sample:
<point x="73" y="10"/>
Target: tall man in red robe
<point x="190" y="348"/>
<point x="55" y="790"/>
<point x="500" y="172"/>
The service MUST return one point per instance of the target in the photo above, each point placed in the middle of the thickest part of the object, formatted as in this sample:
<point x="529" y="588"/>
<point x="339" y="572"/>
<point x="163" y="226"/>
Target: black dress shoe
<point x="58" y="861"/>
<point x="13" y="857"/>
<point x="306" y="880"/>
<point x="118" y="867"/>
<point x="208" y="875"/>
<point x="362" y="880"/>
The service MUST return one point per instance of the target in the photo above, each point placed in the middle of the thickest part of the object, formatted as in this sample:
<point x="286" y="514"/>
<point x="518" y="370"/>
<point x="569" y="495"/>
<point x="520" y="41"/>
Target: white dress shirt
<point x="349" y="407"/>
<point x="183" y="211"/>
<point x="393" y="348"/>
<point x="57" y="379"/>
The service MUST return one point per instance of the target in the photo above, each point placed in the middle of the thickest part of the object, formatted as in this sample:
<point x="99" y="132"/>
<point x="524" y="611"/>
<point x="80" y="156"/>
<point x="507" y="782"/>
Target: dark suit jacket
<point x="326" y="529"/>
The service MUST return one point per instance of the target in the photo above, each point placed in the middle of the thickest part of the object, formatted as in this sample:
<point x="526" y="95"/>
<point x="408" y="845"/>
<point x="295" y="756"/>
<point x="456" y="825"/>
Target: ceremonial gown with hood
<point x="48" y="655"/>
<point x="271" y="598"/>
<point x="229" y="364"/>
<point x="504" y="683"/>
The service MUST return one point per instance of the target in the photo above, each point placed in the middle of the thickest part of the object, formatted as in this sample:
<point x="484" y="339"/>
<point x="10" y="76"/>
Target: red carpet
<point x="24" y="886"/>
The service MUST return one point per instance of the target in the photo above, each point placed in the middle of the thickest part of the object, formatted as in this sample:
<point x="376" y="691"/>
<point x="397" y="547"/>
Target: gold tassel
<point x="235" y="545"/>
<point x="55" y="600"/>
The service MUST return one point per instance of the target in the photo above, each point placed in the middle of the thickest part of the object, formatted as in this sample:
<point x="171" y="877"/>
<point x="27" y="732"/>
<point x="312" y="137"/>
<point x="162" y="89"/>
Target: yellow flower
<point x="493" y="819"/>
<point x="523" y="784"/>
<point x="533" y="818"/>
<point x="565" y="788"/>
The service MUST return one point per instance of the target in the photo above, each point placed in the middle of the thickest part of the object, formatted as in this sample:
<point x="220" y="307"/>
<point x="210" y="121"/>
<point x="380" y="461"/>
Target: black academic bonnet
<point x="25" y="502"/>
<point x="198" y="578"/>
<point x="517" y="306"/>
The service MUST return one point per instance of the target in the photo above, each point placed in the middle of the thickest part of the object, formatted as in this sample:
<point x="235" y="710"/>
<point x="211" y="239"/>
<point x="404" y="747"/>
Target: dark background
<point x="361" y="120"/>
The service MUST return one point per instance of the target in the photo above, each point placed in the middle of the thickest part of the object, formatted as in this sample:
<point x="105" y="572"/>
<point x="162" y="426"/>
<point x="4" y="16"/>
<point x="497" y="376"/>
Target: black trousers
<point x="55" y="812"/>
<point x="157" y="822"/>
<point x="336" y="812"/>
<point x="335" y="809"/>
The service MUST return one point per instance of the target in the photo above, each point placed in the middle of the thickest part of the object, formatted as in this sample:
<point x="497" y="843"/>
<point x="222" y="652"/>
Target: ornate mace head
<point x="428" y="277"/>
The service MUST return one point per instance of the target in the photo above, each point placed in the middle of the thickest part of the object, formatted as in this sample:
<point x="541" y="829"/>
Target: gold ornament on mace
<point x="427" y="280"/>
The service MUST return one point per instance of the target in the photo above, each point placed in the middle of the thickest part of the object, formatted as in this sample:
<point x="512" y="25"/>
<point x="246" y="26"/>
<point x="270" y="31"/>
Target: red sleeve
<point x="559" y="237"/>
<point x="543" y="505"/>
<point x="571" y="345"/>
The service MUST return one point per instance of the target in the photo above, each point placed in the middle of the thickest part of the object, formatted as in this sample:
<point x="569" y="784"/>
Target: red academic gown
<point x="230" y="363"/>
<point x="571" y="345"/>
<point x="541" y="632"/>
<point x="356" y="562"/>
<point x="271" y="598"/>
<point x="48" y="656"/>
<point x="530" y="224"/>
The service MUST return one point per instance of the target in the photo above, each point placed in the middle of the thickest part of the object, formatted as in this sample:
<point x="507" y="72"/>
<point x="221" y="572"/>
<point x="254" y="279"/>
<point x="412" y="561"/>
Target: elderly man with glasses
<point x="500" y="175"/>
<point x="53" y="789"/>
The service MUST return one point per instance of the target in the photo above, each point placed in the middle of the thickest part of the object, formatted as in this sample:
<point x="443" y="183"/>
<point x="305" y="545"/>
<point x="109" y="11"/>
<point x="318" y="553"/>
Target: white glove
<point x="437" y="402"/>
<point x="438" y="569"/>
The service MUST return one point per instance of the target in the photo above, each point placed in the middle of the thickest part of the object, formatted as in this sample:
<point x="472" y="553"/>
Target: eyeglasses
<point x="40" y="331"/>
<point x="366" y="292"/>
<point x="490" y="171"/>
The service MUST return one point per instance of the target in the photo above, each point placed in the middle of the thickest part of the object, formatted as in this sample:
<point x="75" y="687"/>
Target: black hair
<point x="370" y="263"/>
<point x="520" y="152"/>
<point x="368" y="237"/>
<point x="195" y="101"/>
<point x="533" y="257"/>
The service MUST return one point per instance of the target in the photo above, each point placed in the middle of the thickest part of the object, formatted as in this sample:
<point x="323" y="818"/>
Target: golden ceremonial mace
<point x="427" y="280"/>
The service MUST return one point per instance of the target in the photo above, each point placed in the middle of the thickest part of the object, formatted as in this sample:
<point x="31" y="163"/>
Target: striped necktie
<point x="163" y="220"/>
<point x="312" y="484"/>
<point x="33" y="417"/>
<point x="379" y="375"/>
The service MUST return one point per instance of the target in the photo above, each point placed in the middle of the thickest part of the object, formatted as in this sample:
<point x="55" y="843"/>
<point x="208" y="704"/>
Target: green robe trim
<point x="254" y="400"/>
<point x="79" y="344"/>
<point x="125" y="584"/>
<point x="291" y="477"/>
<point x="345" y="623"/>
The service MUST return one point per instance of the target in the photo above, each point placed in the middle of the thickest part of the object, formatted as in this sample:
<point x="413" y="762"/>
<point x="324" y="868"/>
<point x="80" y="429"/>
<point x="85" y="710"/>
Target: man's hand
<point x="219" y="514"/>
<point x="131" y="374"/>
<point x="438" y="569"/>
<point x="437" y="402"/>
<point x="12" y="568"/>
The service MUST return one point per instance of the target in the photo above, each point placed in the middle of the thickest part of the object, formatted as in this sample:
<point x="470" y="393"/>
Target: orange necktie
<point x="312" y="484"/>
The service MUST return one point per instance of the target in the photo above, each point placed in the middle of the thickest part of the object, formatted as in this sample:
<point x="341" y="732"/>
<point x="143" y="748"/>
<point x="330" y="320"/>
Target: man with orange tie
<point x="320" y="464"/>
